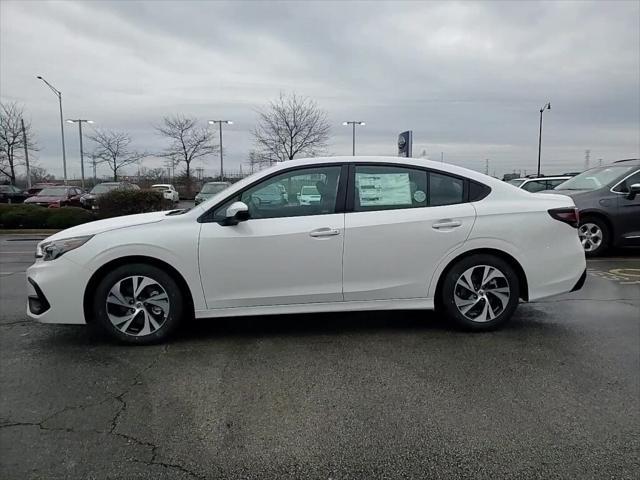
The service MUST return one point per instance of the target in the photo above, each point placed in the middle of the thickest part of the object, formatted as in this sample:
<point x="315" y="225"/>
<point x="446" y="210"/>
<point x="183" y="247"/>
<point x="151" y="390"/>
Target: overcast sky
<point x="467" y="77"/>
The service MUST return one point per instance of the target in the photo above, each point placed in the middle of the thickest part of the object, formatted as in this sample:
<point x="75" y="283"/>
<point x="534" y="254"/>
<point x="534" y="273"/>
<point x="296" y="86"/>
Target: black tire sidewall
<point x="454" y="273"/>
<point x="163" y="278"/>
<point x="604" y="245"/>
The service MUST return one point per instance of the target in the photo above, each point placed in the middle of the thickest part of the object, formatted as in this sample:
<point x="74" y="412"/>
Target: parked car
<point x="89" y="200"/>
<point x="11" y="194"/>
<point x="210" y="189"/>
<point x="273" y="194"/>
<point x="608" y="199"/>
<point x="539" y="184"/>
<point x="168" y="192"/>
<point x="35" y="189"/>
<point x="58" y="196"/>
<point x="438" y="236"/>
<point x="309" y="195"/>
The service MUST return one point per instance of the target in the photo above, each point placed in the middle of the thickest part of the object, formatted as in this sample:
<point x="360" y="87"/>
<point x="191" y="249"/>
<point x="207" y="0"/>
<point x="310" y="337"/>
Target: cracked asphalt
<point x="555" y="394"/>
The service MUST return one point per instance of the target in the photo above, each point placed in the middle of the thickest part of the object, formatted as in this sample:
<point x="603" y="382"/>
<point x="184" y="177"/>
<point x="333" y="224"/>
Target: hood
<point x="43" y="199"/>
<point x="101" y="226"/>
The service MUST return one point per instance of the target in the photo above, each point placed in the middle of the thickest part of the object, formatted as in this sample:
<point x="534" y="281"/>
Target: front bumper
<point x="55" y="291"/>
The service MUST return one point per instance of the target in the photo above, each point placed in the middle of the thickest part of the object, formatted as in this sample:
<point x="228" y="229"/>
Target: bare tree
<point x="156" y="174"/>
<point x="113" y="148"/>
<point x="291" y="126"/>
<point x="258" y="161"/>
<point x="12" y="140"/>
<point x="187" y="141"/>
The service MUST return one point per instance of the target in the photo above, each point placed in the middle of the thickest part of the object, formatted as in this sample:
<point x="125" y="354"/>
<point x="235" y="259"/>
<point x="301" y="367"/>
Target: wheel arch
<point x="522" y="277"/>
<point x="100" y="272"/>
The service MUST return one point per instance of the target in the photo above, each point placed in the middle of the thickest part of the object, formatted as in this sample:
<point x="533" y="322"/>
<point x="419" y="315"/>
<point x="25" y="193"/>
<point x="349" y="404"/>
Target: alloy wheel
<point x="590" y="236"/>
<point x="137" y="305"/>
<point x="482" y="293"/>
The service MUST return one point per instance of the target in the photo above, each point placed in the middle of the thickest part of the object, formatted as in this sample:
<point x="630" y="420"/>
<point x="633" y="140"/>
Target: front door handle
<point x="324" y="232"/>
<point x="446" y="224"/>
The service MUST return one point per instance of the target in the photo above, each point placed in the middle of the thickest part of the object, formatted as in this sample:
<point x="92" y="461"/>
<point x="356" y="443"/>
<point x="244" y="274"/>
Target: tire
<point x="149" y="317"/>
<point x="485" y="306"/>
<point x="594" y="235"/>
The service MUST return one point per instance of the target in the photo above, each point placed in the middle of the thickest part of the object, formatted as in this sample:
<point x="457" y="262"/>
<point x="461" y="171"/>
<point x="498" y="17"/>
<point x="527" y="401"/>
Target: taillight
<point x="569" y="216"/>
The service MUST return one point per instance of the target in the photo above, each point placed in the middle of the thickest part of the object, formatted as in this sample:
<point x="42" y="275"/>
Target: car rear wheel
<point x="594" y="236"/>
<point x="480" y="292"/>
<point x="138" y="304"/>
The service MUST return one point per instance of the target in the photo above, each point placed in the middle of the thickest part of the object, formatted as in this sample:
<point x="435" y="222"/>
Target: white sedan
<point x="168" y="191"/>
<point x="432" y="236"/>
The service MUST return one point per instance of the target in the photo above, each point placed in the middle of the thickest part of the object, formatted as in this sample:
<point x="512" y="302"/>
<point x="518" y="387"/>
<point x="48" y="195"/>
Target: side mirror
<point x="237" y="212"/>
<point x="633" y="191"/>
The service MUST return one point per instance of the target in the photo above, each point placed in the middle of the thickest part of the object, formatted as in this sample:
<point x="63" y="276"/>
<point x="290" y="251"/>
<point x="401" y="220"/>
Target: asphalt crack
<point x="113" y="425"/>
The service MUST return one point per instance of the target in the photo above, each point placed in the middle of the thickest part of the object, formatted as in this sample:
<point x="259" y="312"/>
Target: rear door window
<point x="445" y="189"/>
<point x="387" y="187"/>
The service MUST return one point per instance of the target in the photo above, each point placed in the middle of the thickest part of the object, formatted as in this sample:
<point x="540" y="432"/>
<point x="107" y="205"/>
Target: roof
<point x="551" y="177"/>
<point x="630" y="161"/>
<point x="419" y="162"/>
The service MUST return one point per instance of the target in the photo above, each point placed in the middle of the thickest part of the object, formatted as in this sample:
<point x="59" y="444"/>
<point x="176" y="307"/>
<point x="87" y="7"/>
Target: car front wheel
<point x="138" y="304"/>
<point x="594" y="236"/>
<point x="480" y="292"/>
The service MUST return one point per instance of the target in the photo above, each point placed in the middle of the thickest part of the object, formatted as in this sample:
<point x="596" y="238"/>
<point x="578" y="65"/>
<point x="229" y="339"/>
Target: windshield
<point x="6" y="188"/>
<point x="102" y="188"/>
<point x="594" y="178"/>
<point x="516" y="182"/>
<point x="213" y="187"/>
<point x="53" y="192"/>
<point x="161" y="188"/>
<point x="309" y="191"/>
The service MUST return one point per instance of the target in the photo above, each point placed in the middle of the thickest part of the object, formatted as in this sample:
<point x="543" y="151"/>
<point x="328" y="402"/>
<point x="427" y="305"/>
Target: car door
<point x="627" y="218"/>
<point x="286" y="253"/>
<point x="400" y="222"/>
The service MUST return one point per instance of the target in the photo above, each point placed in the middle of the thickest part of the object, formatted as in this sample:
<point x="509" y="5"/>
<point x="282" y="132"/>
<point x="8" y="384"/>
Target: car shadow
<point x="527" y="320"/>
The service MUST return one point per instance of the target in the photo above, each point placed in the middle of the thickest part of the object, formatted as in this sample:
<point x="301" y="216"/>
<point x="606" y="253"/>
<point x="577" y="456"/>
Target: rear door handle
<point x="446" y="224"/>
<point x="324" y="232"/>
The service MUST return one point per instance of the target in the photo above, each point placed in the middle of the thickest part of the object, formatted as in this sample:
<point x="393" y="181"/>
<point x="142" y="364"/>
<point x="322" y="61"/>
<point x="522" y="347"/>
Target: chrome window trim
<point x="621" y="181"/>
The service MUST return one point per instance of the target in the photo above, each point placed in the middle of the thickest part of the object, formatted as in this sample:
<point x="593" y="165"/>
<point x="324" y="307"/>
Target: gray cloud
<point x="467" y="77"/>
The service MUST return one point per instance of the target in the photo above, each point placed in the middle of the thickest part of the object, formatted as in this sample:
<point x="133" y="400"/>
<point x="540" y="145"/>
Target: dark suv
<point x="608" y="198"/>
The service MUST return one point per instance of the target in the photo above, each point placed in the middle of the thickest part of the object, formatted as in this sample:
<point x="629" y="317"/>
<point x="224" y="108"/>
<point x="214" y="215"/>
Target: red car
<point x="58" y="196"/>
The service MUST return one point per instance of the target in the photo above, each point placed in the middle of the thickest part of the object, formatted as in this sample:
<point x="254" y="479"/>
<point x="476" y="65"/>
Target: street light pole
<point x="64" y="154"/>
<point x="220" y="122"/>
<point x="353" y="124"/>
<point x="547" y="106"/>
<point x="79" y="122"/>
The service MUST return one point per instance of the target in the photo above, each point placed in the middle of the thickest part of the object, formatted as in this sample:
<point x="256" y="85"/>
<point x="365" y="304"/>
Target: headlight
<point x="57" y="248"/>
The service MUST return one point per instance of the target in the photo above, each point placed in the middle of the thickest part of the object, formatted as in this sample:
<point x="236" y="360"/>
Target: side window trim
<point x="208" y="216"/>
<point x="351" y="193"/>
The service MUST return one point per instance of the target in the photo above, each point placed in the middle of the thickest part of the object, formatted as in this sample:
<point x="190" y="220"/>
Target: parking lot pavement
<point x="343" y="396"/>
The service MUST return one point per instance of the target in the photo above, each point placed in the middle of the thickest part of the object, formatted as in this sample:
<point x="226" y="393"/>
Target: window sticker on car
<point x="419" y="196"/>
<point x="383" y="189"/>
